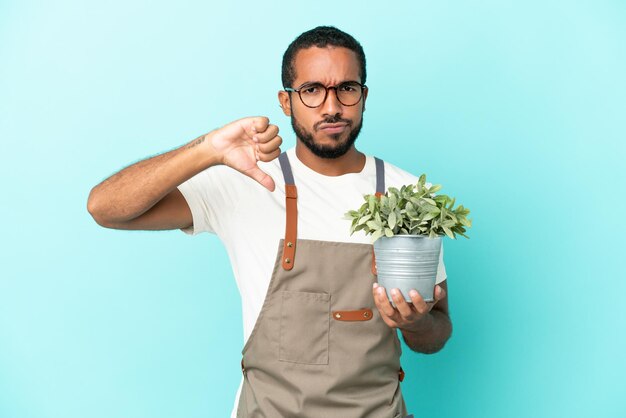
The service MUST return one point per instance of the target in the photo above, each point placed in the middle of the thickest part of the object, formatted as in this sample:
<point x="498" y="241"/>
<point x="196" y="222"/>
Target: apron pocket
<point x="304" y="325"/>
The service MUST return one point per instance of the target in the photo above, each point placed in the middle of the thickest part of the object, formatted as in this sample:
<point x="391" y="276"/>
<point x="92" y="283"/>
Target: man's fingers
<point x="270" y="146"/>
<point x="439" y="293"/>
<point x="403" y="308"/>
<point x="382" y="302"/>
<point x="270" y="133"/>
<point x="259" y="124"/>
<point x="418" y="302"/>
<point x="266" y="157"/>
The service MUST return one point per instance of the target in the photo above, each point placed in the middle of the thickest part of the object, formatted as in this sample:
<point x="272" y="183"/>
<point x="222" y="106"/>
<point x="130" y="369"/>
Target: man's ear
<point x="285" y="102"/>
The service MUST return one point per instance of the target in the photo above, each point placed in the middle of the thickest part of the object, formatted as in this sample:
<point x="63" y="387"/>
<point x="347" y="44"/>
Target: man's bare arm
<point x="145" y="195"/>
<point x="132" y="192"/>
<point x="433" y="335"/>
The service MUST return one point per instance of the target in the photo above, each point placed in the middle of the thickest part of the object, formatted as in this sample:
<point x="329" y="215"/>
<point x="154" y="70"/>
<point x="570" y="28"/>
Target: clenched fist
<point x="242" y="143"/>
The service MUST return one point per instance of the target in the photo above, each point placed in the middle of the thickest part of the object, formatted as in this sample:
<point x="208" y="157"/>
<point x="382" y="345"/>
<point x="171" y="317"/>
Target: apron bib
<point x="319" y="347"/>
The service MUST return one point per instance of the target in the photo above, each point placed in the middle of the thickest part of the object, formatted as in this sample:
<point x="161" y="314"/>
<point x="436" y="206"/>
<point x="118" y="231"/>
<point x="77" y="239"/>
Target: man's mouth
<point x="332" y="128"/>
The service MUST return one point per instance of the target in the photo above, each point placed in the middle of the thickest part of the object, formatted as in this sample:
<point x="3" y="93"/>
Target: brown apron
<point x="319" y="347"/>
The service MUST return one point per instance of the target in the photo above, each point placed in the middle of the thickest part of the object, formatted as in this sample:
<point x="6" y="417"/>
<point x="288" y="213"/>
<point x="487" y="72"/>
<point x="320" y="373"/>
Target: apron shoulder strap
<point x="286" y="168"/>
<point x="380" y="190"/>
<point x="291" y="207"/>
<point x="380" y="176"/>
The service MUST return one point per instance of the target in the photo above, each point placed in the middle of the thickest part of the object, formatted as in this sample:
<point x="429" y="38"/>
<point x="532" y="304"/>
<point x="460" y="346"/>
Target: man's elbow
<point x="433" y="348"/>
<point x="95" y="210"/>
<point x="436" y="342"/>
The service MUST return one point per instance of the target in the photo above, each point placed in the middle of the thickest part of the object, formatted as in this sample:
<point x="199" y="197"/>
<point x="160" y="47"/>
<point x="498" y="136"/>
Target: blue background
<point x="517" y="108"/>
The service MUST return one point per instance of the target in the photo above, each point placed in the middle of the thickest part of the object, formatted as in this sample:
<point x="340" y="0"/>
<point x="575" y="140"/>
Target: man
<point x="314" y="345"/>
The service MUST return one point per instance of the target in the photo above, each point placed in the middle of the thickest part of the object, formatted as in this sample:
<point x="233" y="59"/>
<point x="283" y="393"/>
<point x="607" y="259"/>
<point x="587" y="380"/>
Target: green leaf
<point x="441" y="199"/>
<point x="449" y="223"/>
<point x="429" y="216"/>
<point x="377" y="234"/>
<point x="372" y="201"/>
<point x="448" y="232"/>
<point x="388" y="232"/>
<point x="435" y="188"/>
<point x="410" y="213"/>
<point x="392" y="220"/>
<point x="393" y="201"/>
<point x="364" y="219"/>
<point x="426" y="207"/>
<point x="373" y="225"/>
<point x="351" y="214"/>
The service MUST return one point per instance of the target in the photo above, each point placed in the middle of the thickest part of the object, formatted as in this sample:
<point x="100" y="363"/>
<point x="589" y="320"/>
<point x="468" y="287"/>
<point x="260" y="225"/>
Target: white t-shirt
<point x="250" y="220"/>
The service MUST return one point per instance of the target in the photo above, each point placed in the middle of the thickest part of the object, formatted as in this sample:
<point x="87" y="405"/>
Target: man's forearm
<point x="432" y="336"/>
<point x="135" y="189"/>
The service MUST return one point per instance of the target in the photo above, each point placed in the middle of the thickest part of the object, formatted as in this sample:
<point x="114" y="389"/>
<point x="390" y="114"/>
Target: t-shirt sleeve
<point x="205" y="195"/>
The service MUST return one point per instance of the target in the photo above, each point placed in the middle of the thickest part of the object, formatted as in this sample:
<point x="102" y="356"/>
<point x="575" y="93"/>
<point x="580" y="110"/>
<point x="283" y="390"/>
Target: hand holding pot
<point x="406" y="316"/>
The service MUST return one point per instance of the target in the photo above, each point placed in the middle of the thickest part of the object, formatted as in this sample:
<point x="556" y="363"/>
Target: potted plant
<point x="407" y="226"/>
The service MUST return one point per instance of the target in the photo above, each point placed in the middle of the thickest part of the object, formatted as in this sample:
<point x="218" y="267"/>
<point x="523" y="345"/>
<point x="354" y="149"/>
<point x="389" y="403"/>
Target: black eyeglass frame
<point x="326" y="88"/>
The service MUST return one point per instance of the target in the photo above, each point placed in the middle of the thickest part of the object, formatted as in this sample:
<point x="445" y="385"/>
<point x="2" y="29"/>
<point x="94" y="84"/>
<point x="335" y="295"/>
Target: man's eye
<point x="311" y="90"/>
<point x="347" y="87"/>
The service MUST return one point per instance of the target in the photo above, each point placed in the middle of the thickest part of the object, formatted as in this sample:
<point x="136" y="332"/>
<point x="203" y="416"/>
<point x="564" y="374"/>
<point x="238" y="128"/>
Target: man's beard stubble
<point x="325" y="151"/>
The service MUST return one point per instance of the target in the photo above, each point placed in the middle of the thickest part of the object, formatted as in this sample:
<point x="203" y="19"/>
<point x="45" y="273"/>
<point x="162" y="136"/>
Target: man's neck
<point x="352" y="161"/>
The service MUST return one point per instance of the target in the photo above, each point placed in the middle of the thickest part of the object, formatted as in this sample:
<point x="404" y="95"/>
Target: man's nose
<point x="332" y="106"/>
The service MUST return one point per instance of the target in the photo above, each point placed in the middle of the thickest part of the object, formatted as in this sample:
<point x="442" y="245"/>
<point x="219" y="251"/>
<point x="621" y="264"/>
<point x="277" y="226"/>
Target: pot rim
<point x="411" y="236"/>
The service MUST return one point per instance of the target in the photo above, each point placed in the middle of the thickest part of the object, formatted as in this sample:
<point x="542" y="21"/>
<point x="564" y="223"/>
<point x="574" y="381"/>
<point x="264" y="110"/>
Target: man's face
<point x="329" y="130"/>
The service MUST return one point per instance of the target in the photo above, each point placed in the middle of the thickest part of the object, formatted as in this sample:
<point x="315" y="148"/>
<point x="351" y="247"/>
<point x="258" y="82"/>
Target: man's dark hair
<point x="321" y="37"/>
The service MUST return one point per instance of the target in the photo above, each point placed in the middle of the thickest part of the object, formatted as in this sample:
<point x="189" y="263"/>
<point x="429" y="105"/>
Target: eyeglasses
<point x="348" y="93"/>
